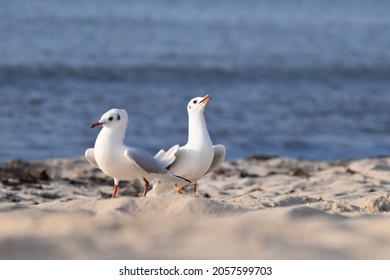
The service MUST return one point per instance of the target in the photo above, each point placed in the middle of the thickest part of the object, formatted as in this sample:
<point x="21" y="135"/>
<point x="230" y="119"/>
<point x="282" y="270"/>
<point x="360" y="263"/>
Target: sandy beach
<point x="254" y="208"/>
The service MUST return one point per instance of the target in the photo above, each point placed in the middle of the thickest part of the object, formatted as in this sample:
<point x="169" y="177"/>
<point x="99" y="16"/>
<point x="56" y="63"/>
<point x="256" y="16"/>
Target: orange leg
<point x="146" y="186"/>
<point x="194" y="190"/>
<point x="114" y="191"/>
<point x="180" y="191"/>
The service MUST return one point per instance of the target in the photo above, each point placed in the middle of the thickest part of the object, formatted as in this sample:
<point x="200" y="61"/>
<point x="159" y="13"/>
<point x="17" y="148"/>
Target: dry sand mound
<point x="257" y="208"/>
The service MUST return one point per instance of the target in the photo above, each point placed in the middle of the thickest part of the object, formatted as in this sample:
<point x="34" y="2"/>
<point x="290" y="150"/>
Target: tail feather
<point x="165" y="187"/>
<point x="161" y="188"/>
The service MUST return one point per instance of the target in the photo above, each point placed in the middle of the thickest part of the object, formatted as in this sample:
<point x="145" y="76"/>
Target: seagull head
<point x="198" y="104"/>
<point x="113" y="118"/>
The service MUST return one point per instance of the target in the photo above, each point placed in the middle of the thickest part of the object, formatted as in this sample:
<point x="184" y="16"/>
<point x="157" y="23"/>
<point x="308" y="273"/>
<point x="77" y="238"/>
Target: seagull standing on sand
<point x="122" y="162"/>
<point x="198" y="157"/>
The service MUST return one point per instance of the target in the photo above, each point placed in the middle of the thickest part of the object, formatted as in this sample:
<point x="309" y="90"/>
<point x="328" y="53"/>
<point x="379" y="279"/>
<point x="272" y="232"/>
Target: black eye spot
<point x="195" y="101"/>
<point x="110" y="118"/>
<point x="118" y="117"/>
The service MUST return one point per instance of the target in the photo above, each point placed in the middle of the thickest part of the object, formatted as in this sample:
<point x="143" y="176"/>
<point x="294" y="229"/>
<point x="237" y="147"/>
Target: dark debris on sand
<point x="16" y="172"/>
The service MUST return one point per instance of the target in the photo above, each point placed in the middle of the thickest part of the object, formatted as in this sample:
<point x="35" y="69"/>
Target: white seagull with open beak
<point x="196" y="158"/>
<point x="122" y="162"/>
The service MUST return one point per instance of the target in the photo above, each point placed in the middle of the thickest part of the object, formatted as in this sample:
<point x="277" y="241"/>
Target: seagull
<point x="196" y="158"/>
<point x="122" y="162"/>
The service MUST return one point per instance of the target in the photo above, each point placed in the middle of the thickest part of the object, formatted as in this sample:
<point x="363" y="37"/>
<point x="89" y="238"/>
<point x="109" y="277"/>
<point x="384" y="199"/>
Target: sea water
<point x="305" y="78"/>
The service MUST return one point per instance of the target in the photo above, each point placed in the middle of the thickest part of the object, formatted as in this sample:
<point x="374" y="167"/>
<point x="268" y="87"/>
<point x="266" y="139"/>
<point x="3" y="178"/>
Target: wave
<point x="126" y="72"/>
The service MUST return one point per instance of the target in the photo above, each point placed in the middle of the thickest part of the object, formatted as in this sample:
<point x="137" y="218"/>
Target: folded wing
<point x="90" y="156"/>
<point x="219" y="157"/>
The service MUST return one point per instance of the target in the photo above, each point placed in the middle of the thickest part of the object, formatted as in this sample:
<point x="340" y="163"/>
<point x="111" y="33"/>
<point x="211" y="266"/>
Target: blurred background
<point x="303" y="78"/>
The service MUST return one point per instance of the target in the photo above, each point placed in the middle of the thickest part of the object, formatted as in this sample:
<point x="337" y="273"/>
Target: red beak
<point x="206" y="98"/>
<point x="96" y="124"/>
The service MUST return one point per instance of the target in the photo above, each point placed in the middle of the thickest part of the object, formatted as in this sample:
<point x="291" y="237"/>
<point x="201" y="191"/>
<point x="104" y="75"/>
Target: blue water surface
<point x="307" y="78"/>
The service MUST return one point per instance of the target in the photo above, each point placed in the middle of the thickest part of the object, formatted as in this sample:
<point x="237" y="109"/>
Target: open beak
<point x="205" y="99"/>
<point x="96" y="124"/>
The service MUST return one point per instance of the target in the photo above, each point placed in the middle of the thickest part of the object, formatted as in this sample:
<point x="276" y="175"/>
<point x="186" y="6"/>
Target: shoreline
<point x="253" y="208"/>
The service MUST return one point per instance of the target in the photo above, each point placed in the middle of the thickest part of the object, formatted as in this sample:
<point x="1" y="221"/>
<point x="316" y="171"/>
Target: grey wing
<point x="90" y="156"/>
<point x="219" y="157"/>
<point x="144" y="161"/>
<point x="167" y="158"/>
